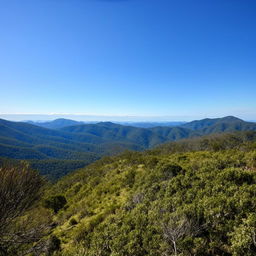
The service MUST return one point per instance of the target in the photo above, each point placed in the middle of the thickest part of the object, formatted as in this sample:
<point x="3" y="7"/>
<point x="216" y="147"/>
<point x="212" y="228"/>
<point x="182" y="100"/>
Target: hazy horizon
<point x="105" y="118"/>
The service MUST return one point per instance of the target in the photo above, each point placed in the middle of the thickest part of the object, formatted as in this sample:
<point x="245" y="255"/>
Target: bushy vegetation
<point x="54" y="169"/>
<point x="215" y="142"/>
<point x="55" y="203"/>
<point x="185" y="198"/>
<point x="160" y="203"/>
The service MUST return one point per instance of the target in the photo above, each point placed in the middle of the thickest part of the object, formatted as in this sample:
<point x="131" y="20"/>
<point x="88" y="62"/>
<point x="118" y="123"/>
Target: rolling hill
<point x="88" y="142"/>
<point x="217" y="125"/>
<point x="62" y="122"/>
<point x="56" y="124"/>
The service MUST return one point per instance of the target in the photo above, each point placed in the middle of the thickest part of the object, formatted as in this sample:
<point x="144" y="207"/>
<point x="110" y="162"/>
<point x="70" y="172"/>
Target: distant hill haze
<point x="29" y="141"/>
<point x="229" y="123"/>
<point x="57" y="123"/>
<point x="88" y="142"/>
<point x="62" y="122"/>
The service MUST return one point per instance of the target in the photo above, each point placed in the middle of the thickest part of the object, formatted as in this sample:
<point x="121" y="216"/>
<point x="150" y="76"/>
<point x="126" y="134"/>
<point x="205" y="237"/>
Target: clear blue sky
<point x="184" y="59"/>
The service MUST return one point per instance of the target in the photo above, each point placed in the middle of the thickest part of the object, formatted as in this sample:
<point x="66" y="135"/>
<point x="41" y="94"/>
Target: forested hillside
<point x="49" y="150"/>
<point x="216" y="125"/>
<point x="61" y="123"/>
<point x="185" y="198"/>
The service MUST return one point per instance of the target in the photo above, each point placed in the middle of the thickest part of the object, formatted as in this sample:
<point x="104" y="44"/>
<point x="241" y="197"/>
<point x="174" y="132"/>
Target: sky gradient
<point x="179" y="59"/>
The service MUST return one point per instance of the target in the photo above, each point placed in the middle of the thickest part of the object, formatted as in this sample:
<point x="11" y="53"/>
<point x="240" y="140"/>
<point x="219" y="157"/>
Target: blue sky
<point x="180" y="59"/>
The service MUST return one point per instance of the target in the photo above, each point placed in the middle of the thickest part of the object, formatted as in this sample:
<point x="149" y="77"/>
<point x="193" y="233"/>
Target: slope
<point x="217" y="125"/>
<point x="134" y="203"/>
<point x="89" y="142"/>
<point x="141" y="136"/>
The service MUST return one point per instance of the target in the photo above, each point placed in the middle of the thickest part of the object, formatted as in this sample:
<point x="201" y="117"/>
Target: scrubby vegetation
<point x="199" y="203"/>
<point x="162" y="202"/>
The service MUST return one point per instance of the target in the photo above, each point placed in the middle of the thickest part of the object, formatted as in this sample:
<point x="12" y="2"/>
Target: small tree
<point x="19" y="189"/>
<point x="170" y="170"/>
<point x="178" y="227"/>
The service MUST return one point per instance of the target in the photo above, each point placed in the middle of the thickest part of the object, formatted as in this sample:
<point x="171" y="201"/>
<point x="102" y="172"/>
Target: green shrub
<point x="55" y="203"/>
<point x="73" y="222"/>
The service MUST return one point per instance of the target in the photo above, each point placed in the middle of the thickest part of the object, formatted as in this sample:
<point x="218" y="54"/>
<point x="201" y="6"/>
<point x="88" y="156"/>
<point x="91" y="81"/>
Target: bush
<point x="169" y="171"/>
<point x="55" y="203"/>
<point x="73" y="222"/>
<point x="20" y="189"/>
<point x="53" y="244"/>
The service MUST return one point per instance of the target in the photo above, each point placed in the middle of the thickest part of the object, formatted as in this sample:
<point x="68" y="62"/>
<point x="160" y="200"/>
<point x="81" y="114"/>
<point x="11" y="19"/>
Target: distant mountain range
<point x="76" y="141"/>
<point x="62" y="122"/>
<point x="56" y="124"/>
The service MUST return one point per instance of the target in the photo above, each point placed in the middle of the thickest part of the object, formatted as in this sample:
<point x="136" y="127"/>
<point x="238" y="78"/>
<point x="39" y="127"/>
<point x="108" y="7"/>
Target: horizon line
<point x="111" y="118"/>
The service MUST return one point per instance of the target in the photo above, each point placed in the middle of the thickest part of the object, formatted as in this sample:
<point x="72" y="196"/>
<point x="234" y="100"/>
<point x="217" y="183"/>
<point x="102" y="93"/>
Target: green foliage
<point x="167" y="201"/>
<point x="192" y="203"/>
<point x="55" y="203"/>
<point x="54" y="169"/>
<point x="169" y="171"/>
<point x="89" y="142"/>
<point x="215" y="142"/>
<point x="243" y="238"/>
<point x="20" y="190"/>
<point x="53" y="244"/>
<point x="73" y="222"/>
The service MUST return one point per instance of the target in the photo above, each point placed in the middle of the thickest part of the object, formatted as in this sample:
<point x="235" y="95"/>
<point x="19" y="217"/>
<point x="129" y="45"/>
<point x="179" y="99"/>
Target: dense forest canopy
<point x="70" y="144"/>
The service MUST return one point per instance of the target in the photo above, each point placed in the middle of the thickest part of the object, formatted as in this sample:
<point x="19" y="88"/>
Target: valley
<point x="64" y="148"/>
